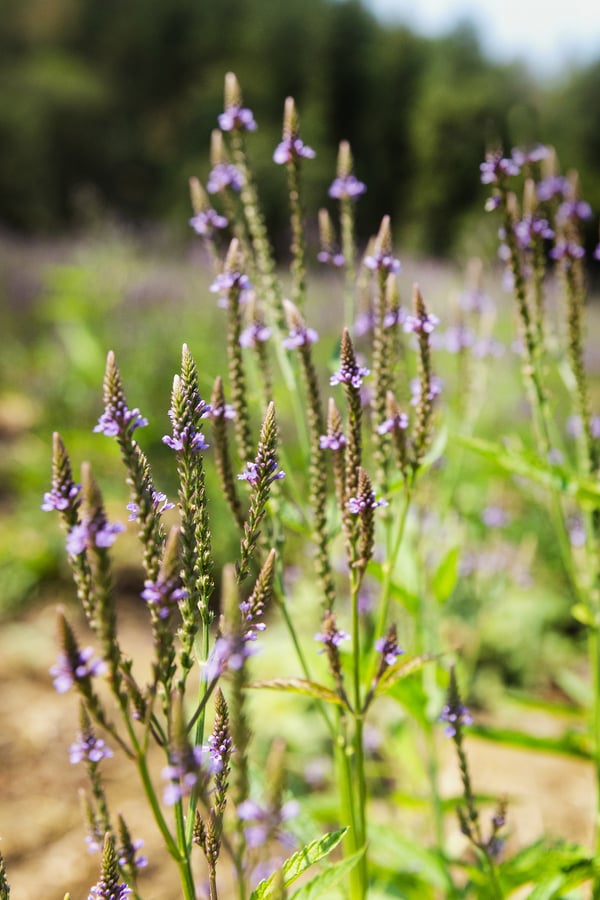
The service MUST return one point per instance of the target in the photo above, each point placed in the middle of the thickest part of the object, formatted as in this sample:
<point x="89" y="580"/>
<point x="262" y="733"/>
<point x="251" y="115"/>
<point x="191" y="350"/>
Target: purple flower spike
<point x="352" y="375"/>
<point x="290" y="149"/>
<point x="398" y="422"/>
<point x="332" y="441"/>
<point x="237" y="117"/>
<point x="158" y="498"/>
<point x="67" y="671"/>
<point x="383" y="262"/>
<point x="346" y="187"/>
<point x="332" y="638"/>
<point x="255" y="334"/>
<point x="495" y="166"/>
<point x="89" y="748"/>
<point x="61" y="497"/>
<point x="455" y="718"/>
<point x="118" y="419"/>
<point x="337" y="260"/>
<point x="253" y="472"/>
<point x="389" y="649"/>
<point x="205" y="221"/>
<point x="222" y="176"/>
<point x="138" y="861"/>
<point x="357" y="505"/>
<point x="87" y="534"/>
<point x="417" y="325"/>
<point x="300" y="337"/>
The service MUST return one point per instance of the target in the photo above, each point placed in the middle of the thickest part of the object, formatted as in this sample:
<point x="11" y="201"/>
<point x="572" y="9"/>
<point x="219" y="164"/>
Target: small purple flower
<point x="496" y="166"/>
<point x="435" y="388"/>
<point x="224" y="175"/>
<point x="455" y="719"/>
<point x="87" y="534"/>
<point x="187" y="438"/>
<point x="554" y="186"/>
<point x="100" y="891"/>
<point x="398" y="422"/>
<point x="163" y="595"/>
<point x="255" y="334"/>
<point x="567" y="251"/>
<point x="352" y="375"/>
<point x="89" y="748"/>
<point x="364" y="323"/>
<point x="332" y="638"/>
<point x="292" y="148"/>
<point x="577" y="535"/>
<point x="228" y="653"/>
<point x="268" y="822"/>
<point x="383" y="262"/>
<point x="334" y="441"/>
<point x="535" y="154"/>
<point x="300" y="337"/>
<point x="389" y="649"/>
<point x="346" y="187"/>
<point x="358" y="505"/>
<point x="182" y="773"/>
<point x="226" y="282"/>
<point x="488" y="346"/>
<point x="118" y="419"/>
<point x="134" y="860"/>
<point x="224" y="411"/>
<point x="205" y="221"/>
<point x="420" y="325"/>
<point x="531" y="227"/>
<point x="237" y="117"/>
<point x="254" y="472"/>
<point x="67" y="671"/>
<point x="333" y="259"/>
<point x="597" y="252"/>
<point x="61" y="497"/>
<point x="157" y="499"/>
<point x="573" y="210"/>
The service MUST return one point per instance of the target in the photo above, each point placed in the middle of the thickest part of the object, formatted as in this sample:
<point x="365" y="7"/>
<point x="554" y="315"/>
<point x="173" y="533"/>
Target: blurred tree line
<point x="108" y="106"/>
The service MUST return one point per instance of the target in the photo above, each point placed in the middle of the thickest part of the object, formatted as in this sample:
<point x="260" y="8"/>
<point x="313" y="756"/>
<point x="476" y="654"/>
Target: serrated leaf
<point x="402" y="669"/>
<point x="299" y="862"/>
<point x="299" y="686"/>
<point x="446" y="575"/>
<point x="327" y="879"/>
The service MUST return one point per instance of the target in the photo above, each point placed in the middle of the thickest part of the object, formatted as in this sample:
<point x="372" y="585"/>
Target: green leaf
<point x="299" y="686"/>
<point x="519" y="461"/>
<point x="299" y="862"/>
<point x="327" y="879"/>
<point x="446" y="576"/>
<point x="402" y="669"/>
<point x="571" y="743"/>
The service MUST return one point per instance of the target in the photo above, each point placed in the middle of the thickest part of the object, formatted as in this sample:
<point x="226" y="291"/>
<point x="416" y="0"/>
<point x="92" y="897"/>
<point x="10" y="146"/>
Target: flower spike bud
<point x="198" y="195"/>
<point x="529" y="197"/>
<point x="383" y="241"/>
<point x="4" y="886"/>
<point x="64" y="494"/>
<point x="344" y="160"/>
<point x="291" y="124"/>
<point x="109" y="887"/>
<point x="512" y="205"/>
<point x="217" y="149"/>
<point x="326" y="233"/>
<point x="233" y="93"/>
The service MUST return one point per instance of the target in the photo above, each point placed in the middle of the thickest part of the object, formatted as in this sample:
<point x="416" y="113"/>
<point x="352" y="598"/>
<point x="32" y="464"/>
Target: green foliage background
<point x="107" y="107"/>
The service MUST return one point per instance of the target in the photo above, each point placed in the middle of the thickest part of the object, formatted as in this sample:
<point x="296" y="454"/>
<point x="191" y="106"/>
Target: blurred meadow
<point x="106" y="111"/>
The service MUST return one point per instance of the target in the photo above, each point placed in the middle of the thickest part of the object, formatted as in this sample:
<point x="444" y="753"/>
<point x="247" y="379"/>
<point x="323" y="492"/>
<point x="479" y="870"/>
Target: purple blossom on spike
<point x="455" y="718"/>
<point x="139" y="861"/>
<point x="61" y="497"/>
<point x="346" y="187"/>
<point x="531" y="227"/>
<point x="254" y="472"/>
<point x="357" y="505"/>
<point x="224" y="175"/>
<point x="333" y="259"/>
<point x="163" y="594"/>
<point x="398" y="422"/>
<point x="567" y="251"/>
<point x="187" y="437"/>
<point x="334" y="441"/>
<point x="228" y="653"/>
<point x="554" y="186"/>
<point x="87" y="534"/>
<point x="89" y="748"/>
<point x="237" y="117"/>
<point x="383" y="262"/>
<point x="229" y="281"/>
<point x="67" y="671"/>
<point x="255" y="334"/>
<point x="573" y="210"/>
<point x="291" y="148"/>
<point x="535" y="154"/>
<point x="300" y="336"/>
<point x="205" y="221"/>
<point x="119" y="892"/>
<point x="222" y="411"/>
<point x="496" y="166"/>
<point x="332" y="638"/>
<point x="157" y="499"/>
<point x="117" y="419"/>
<point x="389" y="649"/>
<point x="416" y="325"/>
<point x="182" y="773"/>
<point x="352" y="375"/>
<point x="435" y="388"/>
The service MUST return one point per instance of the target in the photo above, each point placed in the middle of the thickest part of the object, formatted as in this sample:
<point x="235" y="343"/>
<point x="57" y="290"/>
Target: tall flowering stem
<point x="260" y="474"/>
<point x="120" y="422"/>
<point x="220" y="413"/>
<point x="290" y="152"/>
<point x="302" y="338"/>
<point x="346" y="188"/>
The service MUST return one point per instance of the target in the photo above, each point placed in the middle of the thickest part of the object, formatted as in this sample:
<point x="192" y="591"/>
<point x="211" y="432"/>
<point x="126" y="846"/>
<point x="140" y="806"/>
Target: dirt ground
<point x="41" y="830"/>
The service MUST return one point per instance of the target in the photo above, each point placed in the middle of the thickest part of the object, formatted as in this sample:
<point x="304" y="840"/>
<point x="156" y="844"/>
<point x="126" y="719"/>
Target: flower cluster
<point x="350" y="374"/>
<point x="238" y="118"/>
<point x="346" y="187"/>
<point x="383" y="262"/>
<point x="77" y="666"/>
<point x="158" y="498"/>
<point x="455" y="716"/>
<point x="89" y="748"/>
<point x="94" y="532"/>
<point x="205" y="221"/>
<point x="118" y="419"/>
<point x="290" y="149"/>
<point x="163" y="594"/>
<point x="420" y="324"/>
<point x="224" y="175"/>
<point x="61" y="497"/>
<point x="300" y="336"/>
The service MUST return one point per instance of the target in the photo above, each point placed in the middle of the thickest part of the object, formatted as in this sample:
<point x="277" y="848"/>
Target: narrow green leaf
<point x="570" y="743"/>
<point x="299" y="862"/>
<point x="402" y="669"/>
<point x="299" y="686"/>
<point x="446" y="576"/>
<point x="327" y="879"/>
